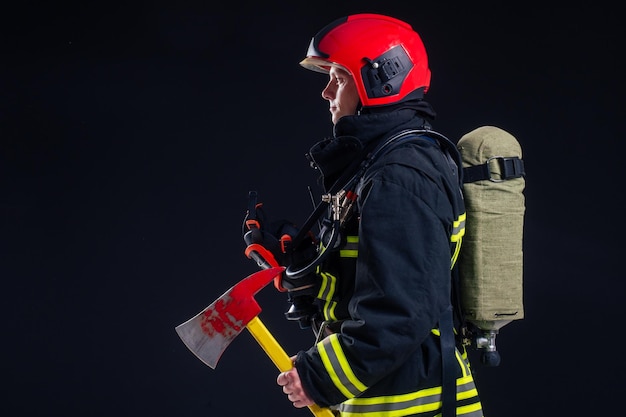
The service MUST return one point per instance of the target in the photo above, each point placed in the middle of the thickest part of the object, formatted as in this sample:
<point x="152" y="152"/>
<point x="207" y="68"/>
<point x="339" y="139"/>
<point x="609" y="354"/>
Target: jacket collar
<point x="355" y="136"/>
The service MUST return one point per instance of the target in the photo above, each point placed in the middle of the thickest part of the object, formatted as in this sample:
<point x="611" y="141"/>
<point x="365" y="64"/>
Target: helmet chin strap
<point x="359" y="107"/>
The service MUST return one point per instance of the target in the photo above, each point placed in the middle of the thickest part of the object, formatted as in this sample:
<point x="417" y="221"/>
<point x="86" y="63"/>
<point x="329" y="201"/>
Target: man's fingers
<point x="282" y="379"/>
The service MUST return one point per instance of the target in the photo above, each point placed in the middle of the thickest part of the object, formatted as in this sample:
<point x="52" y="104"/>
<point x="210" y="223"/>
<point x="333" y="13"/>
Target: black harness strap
<point x="448" y="362"/>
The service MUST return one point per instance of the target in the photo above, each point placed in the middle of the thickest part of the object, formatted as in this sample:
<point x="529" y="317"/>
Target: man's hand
<point x="290" y="381"/>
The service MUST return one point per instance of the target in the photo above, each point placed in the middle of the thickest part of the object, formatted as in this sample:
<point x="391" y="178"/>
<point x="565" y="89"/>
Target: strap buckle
<point x="510" y="167"/>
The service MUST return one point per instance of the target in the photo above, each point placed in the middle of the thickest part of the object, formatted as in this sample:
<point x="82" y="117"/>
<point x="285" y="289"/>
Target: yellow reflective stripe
<point x="423" y="401"/>
<point x="329" y="311"/>
<point x="338" y="368"/>
<point x="327" y="287"/>
<point x="462" y="363"/>
<point x="350" y="250"/>
<point x="458" y="228"/>
<point x="326" y="292"/>
<point x="471" y="410"/>
<point x="455" y="255"/>
<point x="465" y="388"/>
<point x="419" y="402"/>
<point x="458" y="231"/>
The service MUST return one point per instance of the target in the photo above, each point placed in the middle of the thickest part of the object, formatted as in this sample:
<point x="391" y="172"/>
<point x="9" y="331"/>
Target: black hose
<point x="310" y="268"/>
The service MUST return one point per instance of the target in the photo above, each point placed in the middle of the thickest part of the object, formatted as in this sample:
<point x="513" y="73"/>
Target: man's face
<point x="341" y="94"/>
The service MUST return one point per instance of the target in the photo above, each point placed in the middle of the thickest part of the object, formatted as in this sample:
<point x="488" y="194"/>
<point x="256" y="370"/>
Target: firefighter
<point x="383" y="287"/>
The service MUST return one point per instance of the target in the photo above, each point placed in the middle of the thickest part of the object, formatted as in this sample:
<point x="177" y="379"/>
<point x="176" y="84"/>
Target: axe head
<point x="209" y="332"/>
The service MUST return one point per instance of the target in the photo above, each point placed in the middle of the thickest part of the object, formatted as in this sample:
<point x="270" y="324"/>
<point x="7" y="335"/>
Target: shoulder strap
<point x="448" y="148"/>
<point x="448" y="363"/>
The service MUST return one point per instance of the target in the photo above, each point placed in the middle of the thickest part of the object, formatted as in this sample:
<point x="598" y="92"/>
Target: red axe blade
<point x="209" y="332"/>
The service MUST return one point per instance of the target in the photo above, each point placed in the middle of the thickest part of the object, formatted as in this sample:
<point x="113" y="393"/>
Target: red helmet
<point x="385" y="56"/>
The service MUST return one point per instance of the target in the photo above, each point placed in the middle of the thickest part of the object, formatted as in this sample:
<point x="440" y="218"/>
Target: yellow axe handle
<point x="279" y="356"/>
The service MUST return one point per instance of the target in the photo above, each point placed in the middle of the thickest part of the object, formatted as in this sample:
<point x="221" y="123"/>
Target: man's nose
<point x="328" y="93"/>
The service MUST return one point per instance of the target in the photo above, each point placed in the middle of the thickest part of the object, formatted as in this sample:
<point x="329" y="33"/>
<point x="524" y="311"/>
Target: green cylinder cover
<point x="491" y="257"/>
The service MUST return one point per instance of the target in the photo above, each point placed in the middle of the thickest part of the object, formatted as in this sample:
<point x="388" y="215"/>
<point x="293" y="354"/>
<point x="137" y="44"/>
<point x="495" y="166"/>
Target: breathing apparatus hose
<point x="310" y="268"/>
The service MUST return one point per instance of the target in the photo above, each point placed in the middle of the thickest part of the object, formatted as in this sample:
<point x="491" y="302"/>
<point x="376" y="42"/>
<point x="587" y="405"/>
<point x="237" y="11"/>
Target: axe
<point x="208" y="333"/>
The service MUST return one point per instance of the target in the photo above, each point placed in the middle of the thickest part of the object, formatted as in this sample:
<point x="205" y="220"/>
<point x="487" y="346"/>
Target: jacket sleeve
<point x="402" y="284"/>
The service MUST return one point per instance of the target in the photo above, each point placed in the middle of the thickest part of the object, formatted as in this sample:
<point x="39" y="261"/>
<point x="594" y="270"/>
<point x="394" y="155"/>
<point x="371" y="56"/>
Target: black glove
<point x="270" y="245"/>
<point x="262" y="238"/>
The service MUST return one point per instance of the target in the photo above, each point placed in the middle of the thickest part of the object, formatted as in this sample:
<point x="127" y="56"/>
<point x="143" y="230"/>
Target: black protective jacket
<point x="383" y="290"/>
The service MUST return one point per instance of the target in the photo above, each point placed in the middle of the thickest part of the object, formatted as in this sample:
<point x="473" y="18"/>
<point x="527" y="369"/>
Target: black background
<point x="131" y="134"/>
